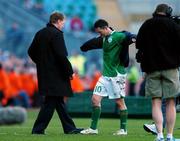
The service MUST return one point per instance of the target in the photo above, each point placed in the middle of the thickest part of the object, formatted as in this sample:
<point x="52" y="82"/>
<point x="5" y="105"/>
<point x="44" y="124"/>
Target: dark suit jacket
<point x="49" y="53"/>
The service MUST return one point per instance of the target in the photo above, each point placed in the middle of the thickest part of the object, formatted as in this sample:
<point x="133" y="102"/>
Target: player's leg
<point x="99" y="92"/>
<point x="96" y="112"/>
<point x="123" y="117"/>
<point x="118" y="93"/>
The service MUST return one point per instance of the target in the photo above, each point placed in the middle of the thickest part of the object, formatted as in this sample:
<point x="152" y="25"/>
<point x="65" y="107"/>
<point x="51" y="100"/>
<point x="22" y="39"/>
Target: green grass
<point x="55" y="133"/>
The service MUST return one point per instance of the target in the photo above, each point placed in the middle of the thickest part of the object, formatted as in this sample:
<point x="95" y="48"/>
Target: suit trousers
<point x="49" y="105"/>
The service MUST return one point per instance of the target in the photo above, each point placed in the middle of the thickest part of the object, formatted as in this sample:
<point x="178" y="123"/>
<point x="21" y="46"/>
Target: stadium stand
<point x="87" y="12"/>
<point x="11" y="13"/>
<point x="115" y="16"/>
<point x="17" y="11"/>
<point x="136" y="11"/>
<point x="137" y="106"/>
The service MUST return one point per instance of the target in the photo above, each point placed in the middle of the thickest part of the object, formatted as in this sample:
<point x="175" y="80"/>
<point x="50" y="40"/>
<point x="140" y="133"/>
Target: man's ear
<point x="106" y="27"/>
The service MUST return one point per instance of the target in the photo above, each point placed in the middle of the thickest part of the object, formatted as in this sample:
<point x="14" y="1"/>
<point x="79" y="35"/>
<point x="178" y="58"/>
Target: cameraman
<point x="159" y="55"/>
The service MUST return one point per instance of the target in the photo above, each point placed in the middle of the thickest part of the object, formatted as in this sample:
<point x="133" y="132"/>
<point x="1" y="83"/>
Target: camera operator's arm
<point x="176" y="32"/>
<point x="140" y="44"/>
<point x="176" y="19"/>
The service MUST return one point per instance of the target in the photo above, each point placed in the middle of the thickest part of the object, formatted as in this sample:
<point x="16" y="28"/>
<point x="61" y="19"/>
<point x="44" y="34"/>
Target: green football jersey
<point x="111" y="50"/>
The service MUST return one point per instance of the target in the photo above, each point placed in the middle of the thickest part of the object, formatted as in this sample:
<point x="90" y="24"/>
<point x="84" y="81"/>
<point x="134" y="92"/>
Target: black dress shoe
<point x="38" y="133"/>
<point x="75" y="131"/>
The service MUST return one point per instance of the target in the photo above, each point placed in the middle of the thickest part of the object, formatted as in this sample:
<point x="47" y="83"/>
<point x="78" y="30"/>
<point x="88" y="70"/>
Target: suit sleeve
<point x="60" y="52"/>
<point x="33" y="50"/>
<point x="94" y="43"/>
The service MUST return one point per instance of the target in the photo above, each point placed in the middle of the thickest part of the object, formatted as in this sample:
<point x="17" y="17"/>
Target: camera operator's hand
<point x="176" y="19"/>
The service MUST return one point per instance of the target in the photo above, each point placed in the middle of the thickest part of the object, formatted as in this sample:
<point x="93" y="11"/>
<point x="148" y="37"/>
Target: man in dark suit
<point x="54" y="71"/>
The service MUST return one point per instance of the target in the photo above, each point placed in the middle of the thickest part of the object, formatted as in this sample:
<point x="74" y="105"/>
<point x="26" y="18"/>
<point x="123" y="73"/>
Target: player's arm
<point x="94" y="43"/>
<point x="130" y="38"/>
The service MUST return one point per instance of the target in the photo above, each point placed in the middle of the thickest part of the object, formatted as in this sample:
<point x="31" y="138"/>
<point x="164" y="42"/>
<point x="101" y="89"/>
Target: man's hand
<point x="72" y="76"/>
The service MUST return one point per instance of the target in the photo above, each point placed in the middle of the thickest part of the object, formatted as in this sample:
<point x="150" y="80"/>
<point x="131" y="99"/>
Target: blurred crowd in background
<point x="19" y="22"/>
<point x="18" y="79"/>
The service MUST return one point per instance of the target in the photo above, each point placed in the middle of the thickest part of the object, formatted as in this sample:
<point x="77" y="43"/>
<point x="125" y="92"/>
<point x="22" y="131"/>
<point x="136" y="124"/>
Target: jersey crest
<point x="110" y="39"/>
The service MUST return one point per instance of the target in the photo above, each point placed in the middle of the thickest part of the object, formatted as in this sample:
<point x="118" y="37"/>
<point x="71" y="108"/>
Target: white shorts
<point x="113" y="87"/>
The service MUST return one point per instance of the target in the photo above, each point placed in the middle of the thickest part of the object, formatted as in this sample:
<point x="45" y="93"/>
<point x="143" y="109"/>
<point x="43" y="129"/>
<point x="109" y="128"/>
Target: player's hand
<point x="133" y="40"/>
<point x="82" y="48"/>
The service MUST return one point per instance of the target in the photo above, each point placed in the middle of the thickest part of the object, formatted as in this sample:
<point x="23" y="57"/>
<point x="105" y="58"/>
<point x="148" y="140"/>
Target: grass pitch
<point x="54" y="131"/>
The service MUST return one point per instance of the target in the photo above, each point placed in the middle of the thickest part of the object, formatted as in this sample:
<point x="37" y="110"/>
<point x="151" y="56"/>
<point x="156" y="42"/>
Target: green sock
<point x="123" y="119"/>
<point x="95" y="117"/>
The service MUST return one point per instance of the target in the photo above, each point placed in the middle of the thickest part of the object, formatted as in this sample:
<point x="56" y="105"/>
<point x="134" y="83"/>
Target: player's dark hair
<point x="55" y="16"/>
<point x="101" y="23"/>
